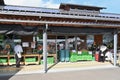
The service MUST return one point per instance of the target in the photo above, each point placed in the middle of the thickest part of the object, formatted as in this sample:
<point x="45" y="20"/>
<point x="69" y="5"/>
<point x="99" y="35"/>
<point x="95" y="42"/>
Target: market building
<point x="69" y="29"/>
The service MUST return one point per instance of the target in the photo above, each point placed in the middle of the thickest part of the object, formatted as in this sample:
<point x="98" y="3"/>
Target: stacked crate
<point x="32" y="59"/>
<point x="50" y="60"/>
<point x="12" y="60"/>
<point x="73" y="57"/>
<point x="85" y="56"/>
<point x="3" y="60"/>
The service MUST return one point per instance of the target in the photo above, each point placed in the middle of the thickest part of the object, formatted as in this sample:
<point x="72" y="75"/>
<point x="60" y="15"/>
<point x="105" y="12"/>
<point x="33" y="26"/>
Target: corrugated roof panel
<point x="56" y="11"/>
<point x="109" y="14"/>
<point x="21" y="8"/>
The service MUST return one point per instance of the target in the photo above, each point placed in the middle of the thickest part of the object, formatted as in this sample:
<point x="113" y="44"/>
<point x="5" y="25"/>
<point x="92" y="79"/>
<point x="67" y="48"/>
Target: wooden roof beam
<point x="53" y="22"/>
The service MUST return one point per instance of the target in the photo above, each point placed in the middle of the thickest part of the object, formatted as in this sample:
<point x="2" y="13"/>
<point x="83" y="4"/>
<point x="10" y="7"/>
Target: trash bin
<point x="67" y="55"/>
<point x="62" y="55"/>
<point x="97" y="56"/>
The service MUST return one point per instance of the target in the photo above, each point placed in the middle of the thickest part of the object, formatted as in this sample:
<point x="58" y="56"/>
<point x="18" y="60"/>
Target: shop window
<point x="90" y="41"/>
<point x="108" y="40"/>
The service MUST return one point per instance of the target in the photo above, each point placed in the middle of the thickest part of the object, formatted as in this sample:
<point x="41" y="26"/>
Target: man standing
<point x="102" y="53"/>
<point x="18" y="50"/>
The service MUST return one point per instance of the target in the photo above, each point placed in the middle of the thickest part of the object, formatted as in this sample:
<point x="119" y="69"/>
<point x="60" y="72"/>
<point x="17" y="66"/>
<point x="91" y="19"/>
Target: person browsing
<point x="18" y="50"/>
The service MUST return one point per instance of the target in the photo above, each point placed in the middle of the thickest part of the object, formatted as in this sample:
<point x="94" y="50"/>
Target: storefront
<point x="70" y="28"/>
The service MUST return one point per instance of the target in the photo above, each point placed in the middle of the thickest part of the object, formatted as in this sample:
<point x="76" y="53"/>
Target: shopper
<point x="103" y="50"/>
<point x="40" y="49"/>
<point x="94" y="48"/>
<point x="18" y="50"/>
<point x="109" y="56"/>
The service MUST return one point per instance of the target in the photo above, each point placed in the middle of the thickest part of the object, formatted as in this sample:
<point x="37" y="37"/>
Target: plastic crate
<point x="12" y="60"/>
<point x="50" y="60"/>
<point x="3" y="60"/>
<point x="62" y="55"/>
<point x="93" y="58"/>
<point x="67" y="55"/>
<point x="30" y="59"/>
<point x="73" y="57"/>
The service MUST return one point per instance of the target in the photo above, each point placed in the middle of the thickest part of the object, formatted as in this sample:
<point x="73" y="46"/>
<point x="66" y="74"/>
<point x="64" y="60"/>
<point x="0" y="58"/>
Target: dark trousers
<point x="102" y="58"/>
<point x="17" y="60"/>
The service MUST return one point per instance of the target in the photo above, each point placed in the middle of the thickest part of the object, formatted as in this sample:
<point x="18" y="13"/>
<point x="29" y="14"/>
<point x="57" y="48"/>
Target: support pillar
<point x="66" y="42"/>
<point x="115" y="48"/>
<point x="45" y="48"/>
<point x="56" y="50"/>
<point x="76" y="43"/>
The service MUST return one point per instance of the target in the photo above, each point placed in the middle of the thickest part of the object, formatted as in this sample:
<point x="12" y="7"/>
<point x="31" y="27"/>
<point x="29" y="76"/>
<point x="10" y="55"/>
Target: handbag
<point x="19" y="55"/>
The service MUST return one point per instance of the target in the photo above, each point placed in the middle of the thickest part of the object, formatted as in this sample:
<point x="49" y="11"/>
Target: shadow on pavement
<point x="118" y="65"/>
<point x="6" y="72"/>
<point x="51" y="66"/>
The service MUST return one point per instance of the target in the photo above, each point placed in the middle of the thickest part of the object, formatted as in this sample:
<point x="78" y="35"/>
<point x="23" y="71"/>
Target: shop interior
<point x="68" y="48"/>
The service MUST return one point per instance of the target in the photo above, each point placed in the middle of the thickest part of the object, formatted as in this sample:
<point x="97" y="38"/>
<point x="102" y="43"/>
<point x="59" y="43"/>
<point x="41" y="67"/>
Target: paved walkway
<point x="96" y="74"/>
<point x="63" y="71"/>
<point x="91" y="74"/>
<point x="61" y="66"/>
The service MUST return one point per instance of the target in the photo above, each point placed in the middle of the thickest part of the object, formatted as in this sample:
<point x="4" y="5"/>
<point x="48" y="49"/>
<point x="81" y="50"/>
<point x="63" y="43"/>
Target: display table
<point x="83" y="56"/>
<point x="33" y="58"/>
<point x="8" y="59"/>
<point x="4" y="59"/>
<point x="50" y="55"/>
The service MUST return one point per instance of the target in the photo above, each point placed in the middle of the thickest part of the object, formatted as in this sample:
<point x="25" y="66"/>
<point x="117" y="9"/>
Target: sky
<point x="113" y="6"/>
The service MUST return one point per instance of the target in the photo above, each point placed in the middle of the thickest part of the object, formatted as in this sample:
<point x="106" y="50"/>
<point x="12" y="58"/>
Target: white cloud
<point x="23" y="2"/>
<point x="71" y="1"/>
<point x="13" y="2"/>
<point x="33" y="3"/>
<point x="50" y="4"/>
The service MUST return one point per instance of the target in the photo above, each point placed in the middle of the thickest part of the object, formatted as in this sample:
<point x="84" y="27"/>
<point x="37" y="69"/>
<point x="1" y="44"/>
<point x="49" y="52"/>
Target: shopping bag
<point x="102" y="54"/>
<point x="19" y="55"/>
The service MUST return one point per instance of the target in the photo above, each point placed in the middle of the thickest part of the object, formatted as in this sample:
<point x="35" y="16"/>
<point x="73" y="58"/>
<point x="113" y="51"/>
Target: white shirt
<point x="109" y="56"/>
<point x="18" y="49"/>
<point x="103" y="48"/>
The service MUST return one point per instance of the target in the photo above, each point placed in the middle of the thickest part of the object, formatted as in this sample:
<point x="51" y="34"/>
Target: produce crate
<point x="79" y="57"/>
<point x="93" y="58"/>
<point x="30" y="59"/>
<point x="3" y="60"/>
<point x="50" y="60"/>
<point x="73" y="57"/>
<point x="12" y="60"/>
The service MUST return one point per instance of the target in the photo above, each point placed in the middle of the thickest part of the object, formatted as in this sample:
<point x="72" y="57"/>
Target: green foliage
<point x="40" y="36"/>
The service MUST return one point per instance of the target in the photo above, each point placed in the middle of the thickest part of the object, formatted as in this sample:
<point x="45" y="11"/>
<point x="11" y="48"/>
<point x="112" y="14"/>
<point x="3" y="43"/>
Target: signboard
<point x="25" y="44"/>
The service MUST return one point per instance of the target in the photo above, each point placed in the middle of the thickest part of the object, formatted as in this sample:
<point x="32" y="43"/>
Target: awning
<point x="82" y="30"/>
<point x="18" y="29"/>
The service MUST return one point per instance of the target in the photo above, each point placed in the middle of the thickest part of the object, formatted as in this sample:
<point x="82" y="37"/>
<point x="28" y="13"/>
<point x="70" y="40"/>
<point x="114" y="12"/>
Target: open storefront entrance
<point x="58" y="45"/>
<point x="71" y="45"/>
